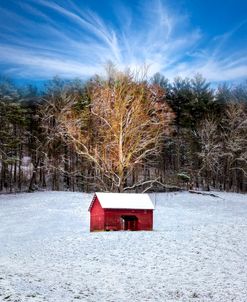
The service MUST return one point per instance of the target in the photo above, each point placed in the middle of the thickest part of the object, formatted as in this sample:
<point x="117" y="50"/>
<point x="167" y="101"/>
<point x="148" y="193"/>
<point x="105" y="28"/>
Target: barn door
<point x="129" y="223"/>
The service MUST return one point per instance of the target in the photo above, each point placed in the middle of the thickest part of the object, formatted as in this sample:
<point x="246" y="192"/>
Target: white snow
<point x="125" y="201"/>
<point x="197" y="252"/>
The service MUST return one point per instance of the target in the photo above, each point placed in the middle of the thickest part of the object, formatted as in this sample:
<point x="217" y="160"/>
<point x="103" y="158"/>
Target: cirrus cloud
<point x="41" y="38"/>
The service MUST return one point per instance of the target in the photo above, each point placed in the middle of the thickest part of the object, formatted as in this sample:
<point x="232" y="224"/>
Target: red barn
<point x="121" y="211"/>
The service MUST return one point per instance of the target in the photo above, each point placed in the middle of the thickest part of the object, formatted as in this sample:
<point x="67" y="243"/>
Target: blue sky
<point x="75" y="38"/>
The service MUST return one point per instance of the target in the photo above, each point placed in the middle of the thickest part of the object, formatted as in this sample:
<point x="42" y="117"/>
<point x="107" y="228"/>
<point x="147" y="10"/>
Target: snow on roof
<point x="125" y="201"/>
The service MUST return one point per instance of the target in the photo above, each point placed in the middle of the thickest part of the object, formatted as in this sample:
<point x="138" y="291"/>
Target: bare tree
<point x="223" y="152"/>
<point x="211" y="149"/>
<point x="235" y="146"/>
<point x="124" y="124"/>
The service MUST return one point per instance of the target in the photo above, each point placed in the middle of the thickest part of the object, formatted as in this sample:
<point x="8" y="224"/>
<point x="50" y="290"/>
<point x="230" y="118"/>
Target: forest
<point x="123" y="132"/>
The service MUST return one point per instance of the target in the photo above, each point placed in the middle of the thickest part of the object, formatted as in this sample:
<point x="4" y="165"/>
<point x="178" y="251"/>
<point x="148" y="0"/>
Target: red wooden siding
<point x="97" y="216"/>
<point x="113" y="220"/>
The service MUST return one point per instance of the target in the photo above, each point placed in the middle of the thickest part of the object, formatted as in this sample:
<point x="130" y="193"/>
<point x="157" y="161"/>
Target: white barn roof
<point x="125" y="201"/>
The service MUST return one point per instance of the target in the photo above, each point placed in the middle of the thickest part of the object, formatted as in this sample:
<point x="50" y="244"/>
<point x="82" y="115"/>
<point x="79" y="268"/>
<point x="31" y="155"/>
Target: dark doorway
<point x="129" y="223"/>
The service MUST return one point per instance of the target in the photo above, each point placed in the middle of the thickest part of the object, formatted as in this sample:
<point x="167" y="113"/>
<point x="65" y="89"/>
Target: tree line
<point x="123" y="132"/>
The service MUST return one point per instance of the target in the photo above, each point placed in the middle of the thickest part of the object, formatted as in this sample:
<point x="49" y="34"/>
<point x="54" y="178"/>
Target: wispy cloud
<point x="62" y="37"/>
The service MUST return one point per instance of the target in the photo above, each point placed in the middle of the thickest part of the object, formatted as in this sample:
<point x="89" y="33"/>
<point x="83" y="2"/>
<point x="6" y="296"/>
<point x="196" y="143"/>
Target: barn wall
<point x="113" y="219"/>
<point x="97" y="221"/>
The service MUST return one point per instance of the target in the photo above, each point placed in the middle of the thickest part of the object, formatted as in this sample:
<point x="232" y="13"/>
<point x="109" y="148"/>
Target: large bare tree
<point x="124" y="124"/>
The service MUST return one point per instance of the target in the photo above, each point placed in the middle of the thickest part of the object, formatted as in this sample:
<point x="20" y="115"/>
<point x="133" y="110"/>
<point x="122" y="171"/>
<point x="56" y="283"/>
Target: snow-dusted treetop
<point x="124" y="201"/>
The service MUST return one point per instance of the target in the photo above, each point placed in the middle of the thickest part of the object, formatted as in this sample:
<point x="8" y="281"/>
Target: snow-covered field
<point x="198" y="251"/>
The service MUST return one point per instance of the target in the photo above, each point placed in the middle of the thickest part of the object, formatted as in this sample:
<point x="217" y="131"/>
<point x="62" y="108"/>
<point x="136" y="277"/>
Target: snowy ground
<point x="198" y="251"/>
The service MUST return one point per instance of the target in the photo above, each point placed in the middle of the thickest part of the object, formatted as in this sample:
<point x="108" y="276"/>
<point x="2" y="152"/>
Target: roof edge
<point x="92" y="202"/>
